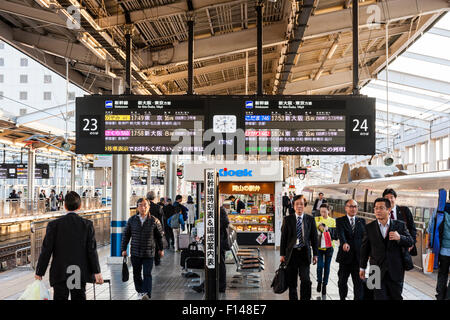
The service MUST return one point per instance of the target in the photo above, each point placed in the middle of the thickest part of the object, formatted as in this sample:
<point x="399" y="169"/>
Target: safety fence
<point x="102" y="226"/>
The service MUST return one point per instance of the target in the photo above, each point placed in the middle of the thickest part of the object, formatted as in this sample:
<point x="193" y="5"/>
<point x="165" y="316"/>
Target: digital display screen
<point x="296" y="126"/>
<point x="20" y="171"/>
<point x="309" y="125"/>
<point x="139" y="124"/>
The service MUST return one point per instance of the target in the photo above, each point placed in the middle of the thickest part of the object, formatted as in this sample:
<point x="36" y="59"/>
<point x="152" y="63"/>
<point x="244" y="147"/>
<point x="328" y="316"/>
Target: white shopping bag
<point x="36" y="291"/>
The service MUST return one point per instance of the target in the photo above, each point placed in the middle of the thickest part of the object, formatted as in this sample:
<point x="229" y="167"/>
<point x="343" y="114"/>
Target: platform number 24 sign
<point x="360" y="126"/>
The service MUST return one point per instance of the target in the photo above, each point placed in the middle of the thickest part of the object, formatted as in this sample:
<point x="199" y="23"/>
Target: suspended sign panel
<point x="20" y="171"/>
<point x="321" y="125"/>
<point x="137" y="124"/>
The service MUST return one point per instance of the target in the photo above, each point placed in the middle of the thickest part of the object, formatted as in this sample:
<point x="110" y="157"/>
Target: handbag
<point x="407" y="260"/>
<point x="279" y="282"/>
<point x="125" y="272"/>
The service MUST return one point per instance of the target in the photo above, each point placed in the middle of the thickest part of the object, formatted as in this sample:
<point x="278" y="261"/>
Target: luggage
<point x="191" y="252"/>
<point x="183" y="241"/>
<point x="109" y="283"/>
<point x="195" y="262"/>
<point x="279" y="282"/>
<point x="125" y="272"/>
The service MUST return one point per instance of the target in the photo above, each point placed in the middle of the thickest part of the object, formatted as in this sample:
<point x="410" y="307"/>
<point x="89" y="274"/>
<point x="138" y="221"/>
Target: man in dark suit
<point x="291" y="204"/>
<point x="384" y="242"/>
<point x="316" y="207"/>
<point x="70" y="240"/>
<point x="350" y="230"/>
<point x="403" y="214"/>
<point x="238" y="203"/>
<point x="286" y="203"/>
<point x="157" y="212"/>
<point x="298" y="238"/>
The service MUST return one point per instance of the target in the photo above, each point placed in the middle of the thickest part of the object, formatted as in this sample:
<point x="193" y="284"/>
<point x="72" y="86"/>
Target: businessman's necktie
<point x="299" y="232"/>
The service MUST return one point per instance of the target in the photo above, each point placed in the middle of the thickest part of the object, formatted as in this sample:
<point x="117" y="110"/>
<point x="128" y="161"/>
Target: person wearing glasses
<point x="384" y="242"/>
<point x="350" y="230"/>
<point x="298" y="241"/>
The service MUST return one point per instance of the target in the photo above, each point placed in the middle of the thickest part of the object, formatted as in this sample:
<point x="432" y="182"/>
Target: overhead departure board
<point x="339" y="125"/>
<point x="310" y="125"/>
<point x="20" y="171"/>
<point x="138" y="124"/>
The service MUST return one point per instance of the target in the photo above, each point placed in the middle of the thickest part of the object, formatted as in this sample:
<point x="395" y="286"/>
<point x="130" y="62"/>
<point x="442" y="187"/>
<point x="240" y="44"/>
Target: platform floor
<point x="169" y="284"/>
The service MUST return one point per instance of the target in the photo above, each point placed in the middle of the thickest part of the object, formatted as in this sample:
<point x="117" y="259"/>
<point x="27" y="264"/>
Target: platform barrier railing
<point x="101" y="221"/>
<point x="14" y="208"/>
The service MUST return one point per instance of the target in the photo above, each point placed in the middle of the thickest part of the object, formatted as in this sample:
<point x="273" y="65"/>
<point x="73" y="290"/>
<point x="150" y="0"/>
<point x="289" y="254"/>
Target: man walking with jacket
<point x="70" y="240"/>
<point x="298" y="239"/>
<point x="145" y="232"/>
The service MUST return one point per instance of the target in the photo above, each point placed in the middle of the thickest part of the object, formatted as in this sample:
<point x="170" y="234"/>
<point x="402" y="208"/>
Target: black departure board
<point x="138" y="124"/>
<point x="310" y="125"/>
<point x="20" y="171"/>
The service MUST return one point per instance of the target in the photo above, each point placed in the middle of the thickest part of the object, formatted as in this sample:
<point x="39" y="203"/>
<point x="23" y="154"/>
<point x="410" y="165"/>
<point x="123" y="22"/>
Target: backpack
<point x="175" y="221"/>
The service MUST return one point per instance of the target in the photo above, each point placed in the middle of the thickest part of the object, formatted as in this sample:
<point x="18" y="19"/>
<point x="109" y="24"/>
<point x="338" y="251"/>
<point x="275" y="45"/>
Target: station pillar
<point x="171" y="179"/>
<point x="120" y="193"/>
<point x="30" y="176"/>
<point x="73" y="172"/>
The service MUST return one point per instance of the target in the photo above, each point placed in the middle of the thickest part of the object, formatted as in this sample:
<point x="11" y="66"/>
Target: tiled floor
<point x="169" y="284"/>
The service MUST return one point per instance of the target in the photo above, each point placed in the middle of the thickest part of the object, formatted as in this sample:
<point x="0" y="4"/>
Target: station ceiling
<point x="225" y="41"/>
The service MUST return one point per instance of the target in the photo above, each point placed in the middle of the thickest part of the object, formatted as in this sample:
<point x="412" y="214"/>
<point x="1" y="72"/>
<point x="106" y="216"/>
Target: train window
<point x="418" y="214"/>
<point x="426" y="214"/>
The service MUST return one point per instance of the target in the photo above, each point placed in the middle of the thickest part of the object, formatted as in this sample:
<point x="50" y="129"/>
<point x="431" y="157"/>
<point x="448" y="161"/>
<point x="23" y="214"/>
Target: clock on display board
<point x="224" y="123"/>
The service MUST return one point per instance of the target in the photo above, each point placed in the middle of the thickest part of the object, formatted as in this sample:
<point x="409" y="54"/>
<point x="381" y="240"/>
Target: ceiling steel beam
<point x="326" y="82"/>
<point x="274" y="34"/>
<point x="300" y="18"/>
<point x="415" y="81"/>
<point x="29" y="12"/>
<point x="210" y="69"/>
<point x="7" y="34"/>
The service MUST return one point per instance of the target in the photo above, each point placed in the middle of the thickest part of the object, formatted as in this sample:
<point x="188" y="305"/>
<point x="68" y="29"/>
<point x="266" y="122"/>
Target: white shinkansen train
<point x="419" y="192"/>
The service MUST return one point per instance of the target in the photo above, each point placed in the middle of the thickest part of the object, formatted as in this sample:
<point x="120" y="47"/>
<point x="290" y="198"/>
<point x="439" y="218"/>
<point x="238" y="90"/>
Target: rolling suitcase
<point x="183" y="241"/>
<point x="109" y="283"/>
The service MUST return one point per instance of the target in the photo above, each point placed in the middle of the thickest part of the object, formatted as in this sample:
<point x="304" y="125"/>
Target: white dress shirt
<point x="383" y="229"/>
<point x="350" y="219"/>
<point x="394" y="209"/>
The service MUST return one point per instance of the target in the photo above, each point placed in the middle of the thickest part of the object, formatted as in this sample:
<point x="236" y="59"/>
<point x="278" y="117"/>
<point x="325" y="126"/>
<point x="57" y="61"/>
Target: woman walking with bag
<point x="326" y="228"/>
<point x="190" y="205"/>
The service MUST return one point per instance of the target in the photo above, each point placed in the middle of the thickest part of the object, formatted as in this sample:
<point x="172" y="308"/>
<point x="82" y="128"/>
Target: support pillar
<point x="73" y="172"/>
<point x="149" y="177"/>
<point x="171" y="180"/>
<point x="355" y="47"/>
<point x="432" y="165"/>
<point x="30" y="176"/>
<point x="259" y="60"/>
<point x="120" y="195"/>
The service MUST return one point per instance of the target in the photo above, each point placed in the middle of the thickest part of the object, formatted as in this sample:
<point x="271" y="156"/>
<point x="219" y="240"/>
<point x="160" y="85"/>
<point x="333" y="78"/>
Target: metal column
<point x="190" y="55"/>
<point x="120" y="194"/>
<point x="259" y="62"/>
<point x="73" y="172"/>
<point x="128" y="35"/>
<point x="355" y="48"/>
<point x="171" y="180"/>
<point x="30" y="176"/>
<point x="149" y="177"/>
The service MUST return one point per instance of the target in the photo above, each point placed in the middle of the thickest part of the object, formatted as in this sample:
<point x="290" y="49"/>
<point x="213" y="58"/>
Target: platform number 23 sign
<point x="90" y="126"/>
